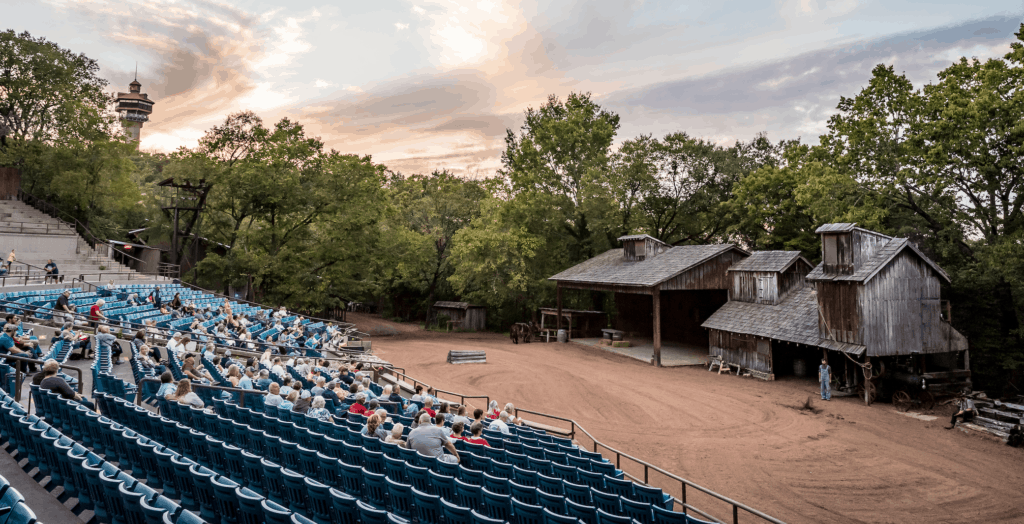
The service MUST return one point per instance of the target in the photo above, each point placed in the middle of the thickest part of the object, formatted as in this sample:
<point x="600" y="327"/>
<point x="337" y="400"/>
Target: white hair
<point x="318" y="402"/>
<point x="425" y="418"/>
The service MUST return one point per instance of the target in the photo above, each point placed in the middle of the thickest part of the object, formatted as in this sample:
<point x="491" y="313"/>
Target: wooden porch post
<point x="558" y="315"/>
<point x="656" y="293"/>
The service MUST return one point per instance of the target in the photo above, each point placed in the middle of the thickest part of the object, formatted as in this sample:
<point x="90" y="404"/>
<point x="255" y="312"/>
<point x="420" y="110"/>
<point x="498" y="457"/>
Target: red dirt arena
<point x="743" y="438"/>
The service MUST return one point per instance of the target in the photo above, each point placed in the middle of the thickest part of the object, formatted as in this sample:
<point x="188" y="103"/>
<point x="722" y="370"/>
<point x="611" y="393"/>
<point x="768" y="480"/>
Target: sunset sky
<point x="431" y="84"/>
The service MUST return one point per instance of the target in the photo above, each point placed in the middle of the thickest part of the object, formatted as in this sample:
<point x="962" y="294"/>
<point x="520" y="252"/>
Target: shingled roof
<point x="871" y="267"/>
<point x="776" y="261"/>
<point x="612" y="268"/>
<point x="453" y="305"/>
<point x="795" y="319"/>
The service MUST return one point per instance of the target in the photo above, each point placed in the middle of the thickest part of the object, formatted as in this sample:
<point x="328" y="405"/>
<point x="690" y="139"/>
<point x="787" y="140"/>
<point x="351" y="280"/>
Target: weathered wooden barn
<point x="872" y="296"/>
<point x="463" y="315"/>
<point x="652" y="280"/>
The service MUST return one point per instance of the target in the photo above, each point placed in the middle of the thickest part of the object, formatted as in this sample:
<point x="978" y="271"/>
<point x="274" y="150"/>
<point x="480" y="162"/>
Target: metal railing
<point x="19" y="373"/>
<point x="462" y="398"/>
<point x="78" y="227"/>
<point x="685" y="486"/>
<point x="8" y="226"/>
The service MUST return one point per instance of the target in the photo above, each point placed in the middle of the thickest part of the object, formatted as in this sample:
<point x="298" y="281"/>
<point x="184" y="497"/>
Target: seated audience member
<point x="501" y="424"/>
<point x="383" y="414"/>
<point x="439" y="422"/>
<point x="478" y="415"/>
<point x="234" y="375"/>
<point x="418" y="396"/>
<point x="477" y="430"/>
<point x="106" y="341"/>
<point x="416" y="419"/>
<point x="246" y="381"/>
<point x="289" y="401"/>
<point x="373" y="427"/>
<point x="188" y="367"/>
<point x="443" y="410"/>
<point x="318" y="411"/>
<point x="460" y="416"/>
<point x="390" y="394"/>
<point x="396" y="436"/>
<point x="147" y="362"/>
<point x="359" y="408"/>
<point x="428" y="404"/>
<point x="53" y="382"/>
<point x="185" y="395"/>
<point x="303" y="404"/>
<point x="320" y="386"/>
<point x="274" y="398"/>
<point x="492" y="410"/>
<point x="430" y="440"/>
<point x="167" y="385"/>
<point x="264" y="382"/>
<point x="174" y="344"/>
<point x="512" y="418"/>
<point x="7" y="346"/>
<point x="331" y="392"/>
<point x="457" y="429"/>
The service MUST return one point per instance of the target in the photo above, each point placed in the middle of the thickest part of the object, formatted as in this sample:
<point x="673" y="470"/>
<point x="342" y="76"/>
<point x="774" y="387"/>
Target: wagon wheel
<point x="901" y="399"/>
<point x="927" y="400"/>
<point x="872" y="391"/>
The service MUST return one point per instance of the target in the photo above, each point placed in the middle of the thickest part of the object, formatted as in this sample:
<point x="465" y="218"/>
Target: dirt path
<point x="743" y="438"/>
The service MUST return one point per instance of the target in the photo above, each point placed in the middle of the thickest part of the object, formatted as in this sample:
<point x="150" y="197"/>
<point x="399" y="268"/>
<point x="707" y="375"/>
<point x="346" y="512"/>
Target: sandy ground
<point x="744" y="438"/>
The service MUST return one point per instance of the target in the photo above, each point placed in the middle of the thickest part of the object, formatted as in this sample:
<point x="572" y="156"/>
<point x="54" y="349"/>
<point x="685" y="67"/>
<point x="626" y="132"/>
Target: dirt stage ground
<point x="741" y="437"/>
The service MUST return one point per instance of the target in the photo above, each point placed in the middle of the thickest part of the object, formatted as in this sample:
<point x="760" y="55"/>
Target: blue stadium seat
<point x="477" y="518"/>
<point x="552" y="485"/>
<point x="273" y="482"/>
<point x="250" y="509"/>
<point x="371" y="515"/>
<point x="374" y="488"/>
<point x="444" y="485"/>
<point x="577" y="493"/>
<point x="497" y="484"/>
<point x="606" y="501"/>
<point x="551" y="517"/>
<point x="400" y="498"/>
<point x="455" y="514"/>
<point x="419" y="478"/>
<point x="394" y="468"/>
<point x="203" y="477"/>
<point x="604" y="517"/>
<point x="428" y="507"/>
<point x="653" y="496"/>
<point x="496" y="505"/>
<point x="554" y="503"/>
<point x="525" y="494"/>
<point x="501" y="469"/>
<point x="469" y="495"/>
<point x="620" y="487"/>
<point x="274" y="513"/>
<point x="523" y="513"/>
<point x="330" y="473"/>
<point x="344" y="507"/>
<point x="639" y="511"/>
<point x="471" y="476"/>
<point x="664" y="516"/>
<point x="352" y="479"/>
<point x="594" y="480"/>
<point x="319" y="501"/>
<point x="524" y="476"/>
<point x="294" y="490"/>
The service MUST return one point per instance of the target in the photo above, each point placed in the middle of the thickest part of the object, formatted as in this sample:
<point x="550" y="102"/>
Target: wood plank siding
<point x="712" y="274"/>
<point x="901" y="309"/>
<point x="793" y="279"/>
<point x="838" y="308"/>
<point x="746" y="350"/>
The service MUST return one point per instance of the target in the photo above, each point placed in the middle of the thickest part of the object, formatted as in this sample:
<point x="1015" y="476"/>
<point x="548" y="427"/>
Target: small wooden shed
<point x="462" y="314"/>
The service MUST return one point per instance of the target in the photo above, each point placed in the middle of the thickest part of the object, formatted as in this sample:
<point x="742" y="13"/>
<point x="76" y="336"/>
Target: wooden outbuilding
<point x="463" y="315"/>
<point x="650" y="279"/>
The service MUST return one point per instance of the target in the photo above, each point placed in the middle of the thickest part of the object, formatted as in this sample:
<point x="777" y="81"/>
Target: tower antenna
<point x="136" y="70"/>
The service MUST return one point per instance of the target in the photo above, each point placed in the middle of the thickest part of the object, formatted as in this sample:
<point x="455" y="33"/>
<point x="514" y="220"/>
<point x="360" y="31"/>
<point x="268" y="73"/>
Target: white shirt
<point x="498" y="425"/>
<point x="278" y="369"/>
<point x="173" y="345"/>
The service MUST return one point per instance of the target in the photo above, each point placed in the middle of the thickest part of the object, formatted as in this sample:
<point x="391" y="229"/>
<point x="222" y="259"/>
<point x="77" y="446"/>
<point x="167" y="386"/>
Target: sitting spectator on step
<point x="7" y="346"/>
<point x="396" y="436"/>
<point x="318" y="411"/>
<point x="174" y="344"/>
<point x="167" y="385"/>
<point x="188" y="367"/>
<point x="53" y="382"/>
<point x="430" y="440"/>
<point x="501" y="424"/>
<point x="147" y="362"/>
<point x="373" y="427"/>
<point x="185" y="395"/>
<point x="274" y="398"/>
<point x="106" y="341"/>
<point x="51" y="271"/>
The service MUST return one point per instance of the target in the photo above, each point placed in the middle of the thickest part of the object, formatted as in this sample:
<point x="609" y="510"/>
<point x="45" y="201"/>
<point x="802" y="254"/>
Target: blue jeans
<point x="826" y="390"/>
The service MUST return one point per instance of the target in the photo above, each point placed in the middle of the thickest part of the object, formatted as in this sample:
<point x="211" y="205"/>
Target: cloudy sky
<point x="425" y="84"/>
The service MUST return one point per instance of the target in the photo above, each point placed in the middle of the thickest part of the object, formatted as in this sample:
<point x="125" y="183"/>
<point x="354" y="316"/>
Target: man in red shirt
<point x="428" y="403"/>
<point x="95" y="313"/>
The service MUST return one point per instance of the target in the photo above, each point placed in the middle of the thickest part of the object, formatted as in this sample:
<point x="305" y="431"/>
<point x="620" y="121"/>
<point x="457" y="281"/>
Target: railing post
<point x="735" y="514"/>
<point x="683" y="497"/>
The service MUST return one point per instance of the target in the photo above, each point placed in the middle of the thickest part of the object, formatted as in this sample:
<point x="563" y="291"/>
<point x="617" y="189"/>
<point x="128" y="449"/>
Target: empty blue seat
<point x="225" y="491"/>
<point x="594" y="480"/>
<point x="419" y="478"/>
<point x="274" y="513"/>
<point x="203" y="480"/>
<point x="374" y="488"/>
<point x="639" y="511"/>
<point x="294" y="490"/>
<point x="371" y="515"/>
<point x="344" y="507"/>
<point x="525" y="494"/>
<point x="565" y="472"/>
<point x="577" y="493"/>
<point x="523" y="513"/>
<point x="620" y="487"/>
<point x="604" y="517"/>
<point x="455" y="514"/>
<point x="319" y="501"/>
<point x="428" y="507"/>
<point x="472" y="476"/>
<point x="496" y="505"/>
<point x="273" y="482"/>
<point x="250" y="508"/>
<point x="477" y="518"/>
<point x="606" y="501"/>
<point x="554" y="503"/>
<point x="444" y="485"/>
<point x="653" y="496"/>
<point x="469" y="495"/>
<point x="352" y="479"/>
<point x="400" y="498"/>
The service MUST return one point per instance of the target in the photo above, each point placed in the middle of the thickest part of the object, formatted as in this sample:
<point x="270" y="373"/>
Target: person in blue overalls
<point x="825" y="377"/>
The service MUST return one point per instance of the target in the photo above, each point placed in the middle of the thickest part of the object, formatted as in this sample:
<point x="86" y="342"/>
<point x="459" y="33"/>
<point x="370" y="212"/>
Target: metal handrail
<point x="30" y="360"/>
<point x="75" y="224"/>
<point x="120" y="275"/>
<point x="648" y="467"/>
<point x="45" y="228"/>
<point x="462" y="398"/>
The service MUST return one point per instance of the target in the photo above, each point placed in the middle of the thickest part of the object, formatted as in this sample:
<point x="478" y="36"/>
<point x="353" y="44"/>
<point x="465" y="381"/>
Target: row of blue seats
<point x="13" y="509"/>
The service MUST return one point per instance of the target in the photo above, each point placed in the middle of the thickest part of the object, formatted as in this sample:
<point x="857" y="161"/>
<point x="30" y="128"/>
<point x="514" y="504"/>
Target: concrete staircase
<point x="37" y="237"/>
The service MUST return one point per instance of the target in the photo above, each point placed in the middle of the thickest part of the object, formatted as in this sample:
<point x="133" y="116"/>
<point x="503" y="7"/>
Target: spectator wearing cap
<point x="53" y="382"/>
<point x="304" y="403"/>
<point x="96" y="313"/>
<point x="331" y="393"/>
<point x="7" y="346"/>
<point x="246" y="381"/>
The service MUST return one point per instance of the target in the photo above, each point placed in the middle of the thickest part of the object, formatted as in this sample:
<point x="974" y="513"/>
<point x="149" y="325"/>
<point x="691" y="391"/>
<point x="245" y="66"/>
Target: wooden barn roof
<point x="445" y="304"/>
<point x="770" y="261"/>
<point x="870" y="268"/>
<point x="612" y="268"/>
<point x="795" y="319"/>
